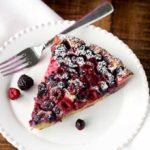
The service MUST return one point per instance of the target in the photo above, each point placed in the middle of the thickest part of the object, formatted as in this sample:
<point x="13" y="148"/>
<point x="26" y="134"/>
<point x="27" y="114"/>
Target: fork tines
<point x="13" y="64"/>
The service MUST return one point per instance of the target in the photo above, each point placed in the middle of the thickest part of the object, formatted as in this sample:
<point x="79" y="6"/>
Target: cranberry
<point x="91" y="94"/>
<point x="86" y="68"/>
<point x="93" y="79"/>
<point x="93" y="60"/>
<point x="13" y="93"/>
<point x="66" y="105"/>
<point x="80" y="124"/>
<point x="72" y="89"/>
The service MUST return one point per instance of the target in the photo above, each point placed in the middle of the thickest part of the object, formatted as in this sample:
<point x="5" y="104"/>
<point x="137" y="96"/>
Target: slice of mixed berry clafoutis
<point x="78" y="76"/>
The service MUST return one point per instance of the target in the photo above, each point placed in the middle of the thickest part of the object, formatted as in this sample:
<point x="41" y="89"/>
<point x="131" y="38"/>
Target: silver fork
<point x="31" y="56"/>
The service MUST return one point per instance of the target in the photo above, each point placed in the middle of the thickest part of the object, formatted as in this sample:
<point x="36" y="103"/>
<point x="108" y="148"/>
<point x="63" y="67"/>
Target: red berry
<point x="13" y="93"/>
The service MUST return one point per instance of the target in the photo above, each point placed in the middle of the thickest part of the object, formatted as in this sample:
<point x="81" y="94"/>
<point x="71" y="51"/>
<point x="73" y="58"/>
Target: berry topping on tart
<point x="78" y="76"/>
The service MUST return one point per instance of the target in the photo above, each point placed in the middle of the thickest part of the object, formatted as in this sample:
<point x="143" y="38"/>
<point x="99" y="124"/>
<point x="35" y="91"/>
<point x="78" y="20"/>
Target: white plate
<point x="111" y="124"/>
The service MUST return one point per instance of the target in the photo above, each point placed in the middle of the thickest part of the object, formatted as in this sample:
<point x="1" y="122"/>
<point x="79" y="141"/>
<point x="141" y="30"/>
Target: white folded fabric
<point x="19" y="14"/>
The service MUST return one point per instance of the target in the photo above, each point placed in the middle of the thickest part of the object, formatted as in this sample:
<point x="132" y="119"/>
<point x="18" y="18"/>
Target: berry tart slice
<point x="78" y="76"/>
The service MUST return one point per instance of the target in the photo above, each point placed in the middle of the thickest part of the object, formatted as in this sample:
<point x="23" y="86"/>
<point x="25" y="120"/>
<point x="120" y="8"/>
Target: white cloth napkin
<point x="19" y="14"/>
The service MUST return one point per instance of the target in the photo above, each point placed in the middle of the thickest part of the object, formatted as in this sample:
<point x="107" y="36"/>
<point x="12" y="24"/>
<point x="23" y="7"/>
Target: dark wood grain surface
<point x="130" y="22"/>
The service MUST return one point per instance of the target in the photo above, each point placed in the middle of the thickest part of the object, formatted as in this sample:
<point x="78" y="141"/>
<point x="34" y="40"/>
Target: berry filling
<point x="76" y="76"/>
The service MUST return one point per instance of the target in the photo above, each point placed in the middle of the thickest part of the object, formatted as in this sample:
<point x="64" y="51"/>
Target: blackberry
<point x="42" y="89"/>
<point x="80" y="124"/>
<point x="25" y="82"/>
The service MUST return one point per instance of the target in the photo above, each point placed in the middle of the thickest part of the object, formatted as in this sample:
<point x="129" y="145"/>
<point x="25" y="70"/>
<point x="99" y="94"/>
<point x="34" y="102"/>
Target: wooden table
<point x="130" y="22"/>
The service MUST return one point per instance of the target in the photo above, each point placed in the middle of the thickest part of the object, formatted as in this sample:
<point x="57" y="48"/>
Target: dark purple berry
<point x="37" y="118"/>
<point x="53" y="80"/>
<point x="118" y="71"/>
<point x="81" y="96"/>
<point x="62" y="84"/>
<point x="103" y="87"/>
<point x="80" y="124"/>
<point x="42" y="89"/>
<point x="25" y="82"/>
<point x="56" y="110"/>
<point x="51" y="116"/>
<point x="80" y="60"/>
<point x="67" y="45"/>
<point x="61" y="50"/>
<point x="47" y="105"/>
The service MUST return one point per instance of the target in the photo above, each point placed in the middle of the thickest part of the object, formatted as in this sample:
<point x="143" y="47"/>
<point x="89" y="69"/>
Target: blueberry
<point x="62" y="84"/>
<point x="89" y="53"/>
<point x="86" y="85"/>
<point x="60" y="50"/>
<point x="101" y="67"/>
<point x="98" y="57"/>
<point x="110" y="78"/>
<point x="70" y="61"/>
<point x="52" y="80"/>
<point x="25" y="82"/>
<point x="66" y="76"/>
<point x="103" y="86"/>
<point x="56" y="110"/>
<point x="37" y="118"/>
<point x="67" y="45"/>
<point x="60" y="59"/>
<point x="80" y="96"/>
<point x="51" y="116"/>
<point x="80" y="60"/>
<point x="42" y="89"/>
<point x="80" y="124"/>
<point x="81" y="50"/>
<point x="118" y="71"/>
<point x="48" y="105"/>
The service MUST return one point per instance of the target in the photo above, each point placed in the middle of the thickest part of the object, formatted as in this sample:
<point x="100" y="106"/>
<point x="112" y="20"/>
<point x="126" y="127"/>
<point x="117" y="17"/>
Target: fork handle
<point x="98" y="13"/>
